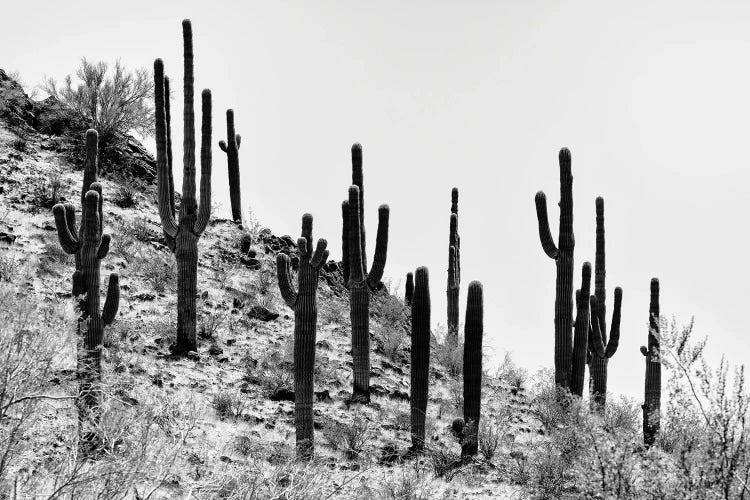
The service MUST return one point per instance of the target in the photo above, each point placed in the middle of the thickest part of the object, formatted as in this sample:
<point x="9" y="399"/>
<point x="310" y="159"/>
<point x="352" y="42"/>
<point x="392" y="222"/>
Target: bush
<point x="228" y="404"/>
<point x="10" y="267"/>
<point x="450" y="356"/>
<point x="111" y="103"/>
<point x="46" y="192"/>
<point x="352" y="437"/>
<point x="125" y="194"/>
<point x="158" y="270"/>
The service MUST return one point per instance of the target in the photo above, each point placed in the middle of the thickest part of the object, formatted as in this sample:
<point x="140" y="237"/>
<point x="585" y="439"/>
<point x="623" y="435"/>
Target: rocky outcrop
<point x="122" y="155"/>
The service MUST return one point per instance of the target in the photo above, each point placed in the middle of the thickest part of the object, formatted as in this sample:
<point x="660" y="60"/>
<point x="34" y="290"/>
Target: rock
<point x="283" y="394"/>
<point x="261" y="313"/>
<point x="215" y="350"/>
<point x="323" y="344"/>
<point x="323" y="396"/>
<point x="7" y="238"/>
<point x="145" y="296"/>
<point x="250" y="262"/>
<point x="193" y="356"/>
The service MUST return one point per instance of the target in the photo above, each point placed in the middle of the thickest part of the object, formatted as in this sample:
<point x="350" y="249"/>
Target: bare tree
<point x="120" y="101"/>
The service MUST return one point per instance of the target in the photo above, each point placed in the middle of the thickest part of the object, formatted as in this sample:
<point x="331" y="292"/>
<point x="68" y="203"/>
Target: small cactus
<point x="193" y="219"/>
<point x="231" y="147"/>
<point x="473" y="330"/>
<point x="90" y="246"/>
<point x="420" y="357"/>
<point x="562" y="254"/>
<point x="652" y="353"/>
<point x="304" y="303"/>
<point x="409" y="293"/>
<point x="601" y="348"/>
<point x="454" y="271"/>
<point x="358" y="280"/>
<point x="581" y="329"/>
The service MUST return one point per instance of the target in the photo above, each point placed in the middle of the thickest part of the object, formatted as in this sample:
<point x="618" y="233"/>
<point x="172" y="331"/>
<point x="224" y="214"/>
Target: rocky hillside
<point x="219" y="422"/>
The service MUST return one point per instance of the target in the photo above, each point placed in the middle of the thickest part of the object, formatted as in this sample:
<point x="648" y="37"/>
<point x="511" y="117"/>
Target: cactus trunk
<point x="420" y="357"/>
<point x="304" y="303"/>
<point x="358" y="280"/>
<point x="231" y="147"/>
<point x="182" y="234"/>
<point x="563" y="257"/>
<point x="652" y="390"/>
<point x="580" y="340"/>
<point x="473" y="331"/>
<point x="454" y="271"/>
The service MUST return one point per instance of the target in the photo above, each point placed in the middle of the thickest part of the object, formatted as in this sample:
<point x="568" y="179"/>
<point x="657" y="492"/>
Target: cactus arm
<point x="321" y="254"/>
<point x="545" y="235"/>
<point x="453" y="280"/>
<point x="188" y="119"/>
<point x="103" y="247"/>
<point x="70" y="218"/>
<point x="356" y="269"/>
<point x="204" y="211"/>
<point x="644" y="350"/>
<point x="614" y="329"/>
<point x="168" y="116"/>
<point x="166" y="214"/>
<point x="285" y="280"/>
<point x="596" y="343"/>
<point x="345" y="241"/>
<point x="90" y="167"/>
<point x="409" y="291"/>
<point x="238" y="138"/>
<point x="358" y="180"/>
<point x="381" y="247"/>
<point x="112" y="302"/>
<point x="223" y="145"/>
<point x="68" y="241"/>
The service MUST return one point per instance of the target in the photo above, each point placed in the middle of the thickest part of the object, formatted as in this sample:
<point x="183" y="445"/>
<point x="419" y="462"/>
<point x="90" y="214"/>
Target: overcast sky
<point x="652" y="99"/>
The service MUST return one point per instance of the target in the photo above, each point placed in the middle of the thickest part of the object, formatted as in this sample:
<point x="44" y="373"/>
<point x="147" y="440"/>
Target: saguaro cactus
<point x="193" y="218"/>
<point x="454" y="270"/>
<point x="90" y="246"/>
<point x="601" y="348"/>
<point x="580" y="339"/>
<point x="231" y="147"/>
<point x="304" y="303"/>
<point x="652" y="353"/>
<point x="409" y="293"/>
<point x="420" y="357"/>
<point x="359" y="281"/>
<point x="562" y="254"/>
<point x="473" y="331"/>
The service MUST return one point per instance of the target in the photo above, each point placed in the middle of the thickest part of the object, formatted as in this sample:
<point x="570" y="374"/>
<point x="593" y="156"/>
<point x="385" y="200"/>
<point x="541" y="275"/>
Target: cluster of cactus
<point x="90" y="246"/>
<point x="454" y="270"/>
<point x="303" y="301"/>
<point x="601" y="348"/>
<point x="652" y="353"/>
<point x="182" y="232"/>
<point x="232" y="147"/>
<point x="562" y="254"/>
<point x="420" y="357"/>
<point x="359" y="281"/>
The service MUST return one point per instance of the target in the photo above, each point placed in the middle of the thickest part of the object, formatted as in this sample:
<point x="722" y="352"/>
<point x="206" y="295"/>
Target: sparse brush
<point x="445" y="464"/>
<point x="137" y="229"/>
<point x="156" y="270"/>
<point x="449" y="356"/>
<point x="228" y="404"/>
<point x="125" y="194"/>
<point x="211" y="321"/>
<point x="352" y="437"/>
<point x="47" y="190"/>
<point x="392" y="342"/>
<point x="10" y="267"/>
<point x="20" y="144"/>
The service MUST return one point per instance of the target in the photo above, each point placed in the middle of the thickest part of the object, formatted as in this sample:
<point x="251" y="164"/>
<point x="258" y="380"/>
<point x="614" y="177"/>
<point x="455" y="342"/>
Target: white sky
<point x="653" y="100"/>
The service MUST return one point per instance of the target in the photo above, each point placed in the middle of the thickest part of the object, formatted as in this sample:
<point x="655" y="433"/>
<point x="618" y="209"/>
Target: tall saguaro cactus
<point x="193" y="217"/>
<point x="454" y="270"/>
<point x="473" y="331"/>
<point x="409" y="293"/>
<point x="420" y="357"/>
<point x="304" y="302"/>
<point x="359" y="281"/>
<point x="231" y="147"/>
<point x="562" y="254"/>
<point x="602" y="349"/>
<point x="90" y="246"/>
<point x="652" y="353"/>
<point x="581" y="331"/>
